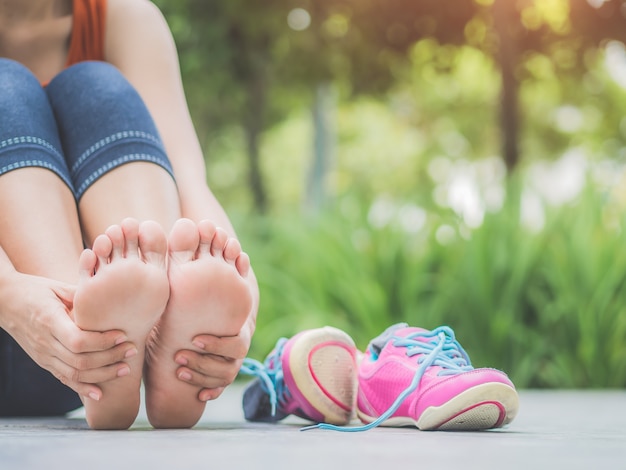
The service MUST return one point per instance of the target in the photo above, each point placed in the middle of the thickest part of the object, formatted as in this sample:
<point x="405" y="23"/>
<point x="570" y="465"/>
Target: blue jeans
<point x="88" y="121"/>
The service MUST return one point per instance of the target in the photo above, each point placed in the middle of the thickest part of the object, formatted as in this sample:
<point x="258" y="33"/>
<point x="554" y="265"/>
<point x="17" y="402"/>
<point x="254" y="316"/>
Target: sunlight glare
<point x="597" y="3"/>
<point x="568" y="119"/>
<point x="299" y="19"/>
<point x="615" y="62"/>
<point x="561" y="181"/>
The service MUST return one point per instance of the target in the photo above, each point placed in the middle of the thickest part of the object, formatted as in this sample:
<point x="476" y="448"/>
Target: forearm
<point x="198" y="203"/>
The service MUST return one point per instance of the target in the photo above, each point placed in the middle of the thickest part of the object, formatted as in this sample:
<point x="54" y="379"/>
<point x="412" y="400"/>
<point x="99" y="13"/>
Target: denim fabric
<point x="103" y="123"/>
<point x="86" y="122"/>
<point x="28" y="130"/>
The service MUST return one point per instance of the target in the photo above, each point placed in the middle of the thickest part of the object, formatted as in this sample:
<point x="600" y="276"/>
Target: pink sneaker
<point x="411" y="376"/>
<point x="313" y="375"/>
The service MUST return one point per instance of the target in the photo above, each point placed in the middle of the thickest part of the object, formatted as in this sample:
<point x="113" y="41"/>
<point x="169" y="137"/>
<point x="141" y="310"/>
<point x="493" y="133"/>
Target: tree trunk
<point x="507" y="29"/>
<point x="323" y="142"/>
<point x="253" y="126"/>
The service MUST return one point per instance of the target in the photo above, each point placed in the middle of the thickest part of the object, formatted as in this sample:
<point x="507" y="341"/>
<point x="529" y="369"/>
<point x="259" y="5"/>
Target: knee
<point x="16" y="81"/>
<point x="13" y="72"/>
<point x="91" y="80"/>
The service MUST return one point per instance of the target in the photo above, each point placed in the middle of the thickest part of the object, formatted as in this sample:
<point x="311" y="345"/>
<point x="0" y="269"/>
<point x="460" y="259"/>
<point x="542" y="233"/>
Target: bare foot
<point x="208" y="295"/>
<point x="123" y="285"/>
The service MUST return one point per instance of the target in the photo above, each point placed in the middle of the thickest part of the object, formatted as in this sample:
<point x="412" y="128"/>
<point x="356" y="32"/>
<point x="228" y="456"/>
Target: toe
<point x="116" y="235"/>
<point x="207" y="230"/>
<point x="243" y="264"/>
<point x="87" y="264"/>
<point x="232" y="250"/>
<point x="152" y="243"/>
<point x="219" y="242"/>
<point x="183" y="240"/>
<point x="130" y="229"/>
<point x="102" y="248"/>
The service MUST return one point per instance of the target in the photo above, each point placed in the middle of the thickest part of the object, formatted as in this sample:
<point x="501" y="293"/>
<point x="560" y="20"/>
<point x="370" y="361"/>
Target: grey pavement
<point x="554" y="429"/>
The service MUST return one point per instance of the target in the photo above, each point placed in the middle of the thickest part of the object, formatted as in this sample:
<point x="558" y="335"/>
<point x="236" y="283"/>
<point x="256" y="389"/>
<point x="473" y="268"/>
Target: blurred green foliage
<point x="546" y="306"/>
<point x="423" y="221"/>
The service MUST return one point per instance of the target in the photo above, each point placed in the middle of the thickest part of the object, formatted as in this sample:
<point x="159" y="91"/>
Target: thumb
<point x="65" y="293"/>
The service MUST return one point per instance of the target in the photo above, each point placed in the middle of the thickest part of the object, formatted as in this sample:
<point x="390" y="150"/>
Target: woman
<point x="97" y="149"/>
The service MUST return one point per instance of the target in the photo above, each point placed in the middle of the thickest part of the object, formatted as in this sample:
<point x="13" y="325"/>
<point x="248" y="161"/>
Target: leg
<point x="209" y="294"/>
<point x="117" y="161"/>
<point x="39" y="228"/>
<point x="111" y="155"/>
<point x="110" y="188"/>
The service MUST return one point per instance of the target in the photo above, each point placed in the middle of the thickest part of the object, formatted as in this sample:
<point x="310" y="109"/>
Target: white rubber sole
<point x="485" y="406"/>
<point x="323" y="366"/>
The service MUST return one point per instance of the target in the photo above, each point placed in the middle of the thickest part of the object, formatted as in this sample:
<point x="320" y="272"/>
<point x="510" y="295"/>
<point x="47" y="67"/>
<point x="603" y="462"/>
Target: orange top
<point x="88" y="26"/>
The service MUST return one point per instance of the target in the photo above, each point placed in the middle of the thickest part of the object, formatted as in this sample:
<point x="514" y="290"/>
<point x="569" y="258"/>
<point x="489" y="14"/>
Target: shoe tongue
<point x="377" y="344"/>
<point x="399" y="329"/>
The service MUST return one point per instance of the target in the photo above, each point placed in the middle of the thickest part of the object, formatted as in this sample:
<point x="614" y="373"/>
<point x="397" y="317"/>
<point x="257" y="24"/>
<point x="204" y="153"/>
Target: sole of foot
<point x="122" y="285"/>
<point x="209" y="294"/>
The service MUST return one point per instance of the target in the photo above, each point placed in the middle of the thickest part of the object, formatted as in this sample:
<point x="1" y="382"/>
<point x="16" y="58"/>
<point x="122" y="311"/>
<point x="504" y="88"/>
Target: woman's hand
<point x="218" y="365"/>
<point x="35" y="311"/>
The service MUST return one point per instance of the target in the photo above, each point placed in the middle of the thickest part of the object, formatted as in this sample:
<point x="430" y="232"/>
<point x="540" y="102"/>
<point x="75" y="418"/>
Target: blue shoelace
<point x="441" y="349"/>
<point x="271" y="374"/>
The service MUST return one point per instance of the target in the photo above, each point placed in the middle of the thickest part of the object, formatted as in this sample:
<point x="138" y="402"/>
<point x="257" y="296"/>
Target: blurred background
<point x="454" y="162"/>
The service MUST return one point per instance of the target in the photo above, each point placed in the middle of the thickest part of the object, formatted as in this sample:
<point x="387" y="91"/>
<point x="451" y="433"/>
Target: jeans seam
<point x="36" y="164"/>
<point x="28" y="139"/>
<point x="133" y="157"/>
<point x="122" y="135"/>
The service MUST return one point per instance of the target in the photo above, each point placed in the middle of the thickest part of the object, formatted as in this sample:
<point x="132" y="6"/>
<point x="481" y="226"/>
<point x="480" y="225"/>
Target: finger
<point x="70" y="376"/>
<point x="95" y="360"/>
<point x="203" y="381"/>
<point x="207" y="394"/>
<point x="234" y="347"/>
<point x="78" y="341"/>
<point x="65" y="293"/>
<point x="83" y="389"/>
<point x="209" y="365"/>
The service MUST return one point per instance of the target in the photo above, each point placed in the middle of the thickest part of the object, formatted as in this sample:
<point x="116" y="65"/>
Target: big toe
<point x="183" y="240"/>
<point x="152" y="243"/>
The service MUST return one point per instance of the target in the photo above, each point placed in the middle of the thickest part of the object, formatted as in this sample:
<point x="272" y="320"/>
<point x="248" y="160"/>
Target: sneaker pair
<point x="407" y="376"/>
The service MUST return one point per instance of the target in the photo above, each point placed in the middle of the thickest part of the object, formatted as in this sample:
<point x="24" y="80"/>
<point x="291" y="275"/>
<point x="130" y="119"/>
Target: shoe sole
<point x="486" y="406"/>
<point x="321" y="372"/>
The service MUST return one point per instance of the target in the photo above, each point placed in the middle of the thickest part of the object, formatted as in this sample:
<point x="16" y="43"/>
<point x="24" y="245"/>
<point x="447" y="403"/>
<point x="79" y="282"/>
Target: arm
<point x="139" y="43"/>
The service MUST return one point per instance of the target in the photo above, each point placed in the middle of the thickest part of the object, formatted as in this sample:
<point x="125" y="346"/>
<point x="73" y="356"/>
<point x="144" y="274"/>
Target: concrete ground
<point x="554" y="429"/>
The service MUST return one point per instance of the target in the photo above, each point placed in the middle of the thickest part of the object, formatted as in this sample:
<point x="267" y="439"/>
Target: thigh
<point x="28" y="390"/>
